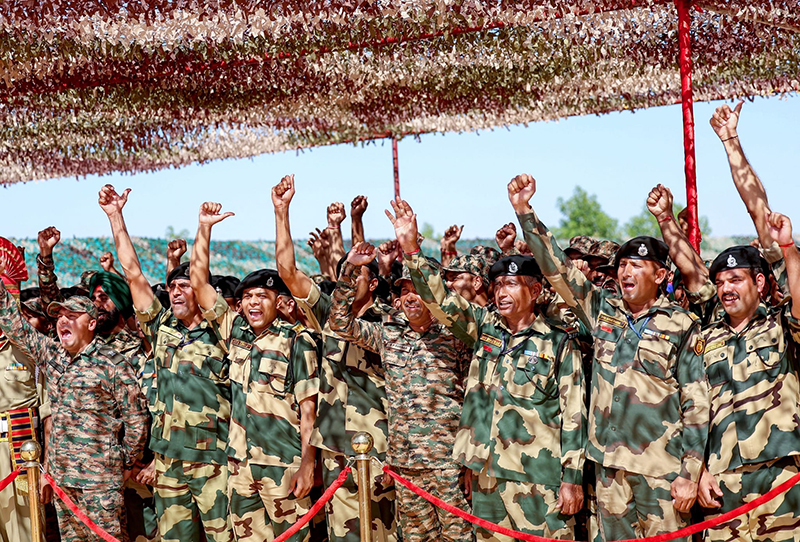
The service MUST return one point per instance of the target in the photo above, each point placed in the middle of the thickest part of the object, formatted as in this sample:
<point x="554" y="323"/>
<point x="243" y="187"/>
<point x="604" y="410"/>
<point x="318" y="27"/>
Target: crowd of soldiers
<point x="599" y="392"/>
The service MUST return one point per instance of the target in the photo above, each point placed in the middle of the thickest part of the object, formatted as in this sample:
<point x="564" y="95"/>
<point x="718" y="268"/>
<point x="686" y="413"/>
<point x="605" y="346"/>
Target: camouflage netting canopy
<point x="94" y="87"/>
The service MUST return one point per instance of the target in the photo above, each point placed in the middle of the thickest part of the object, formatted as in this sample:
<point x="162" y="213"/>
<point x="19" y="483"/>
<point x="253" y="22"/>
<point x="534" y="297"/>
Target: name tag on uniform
<point x="241" y="344"/>
<point x="616" y="322"/>
<point x="399" y="347"/>
<point x="655" y="334"/>
<point x="494" y="341"/>
<point x="716" y="345"/>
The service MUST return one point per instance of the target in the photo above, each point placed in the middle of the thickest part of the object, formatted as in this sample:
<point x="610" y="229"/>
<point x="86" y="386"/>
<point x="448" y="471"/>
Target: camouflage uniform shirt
<point x="424" y="379"/>
<point x="649" y="400"/>
<point x="524" y="411"/>
<point x="191" y="401"/>
<point x="270" y="374"/>
<point x="352" y="387"/>
<point x="94" y="399"/>
<point x="755" y="394"/>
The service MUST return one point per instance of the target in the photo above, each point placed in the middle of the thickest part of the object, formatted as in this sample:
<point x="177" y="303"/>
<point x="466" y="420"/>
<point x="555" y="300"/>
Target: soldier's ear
<point x="761" y="283"/>
<point x="373" y="284"/>
<point x="661" y="275"/>
<point x="92" y="324"/>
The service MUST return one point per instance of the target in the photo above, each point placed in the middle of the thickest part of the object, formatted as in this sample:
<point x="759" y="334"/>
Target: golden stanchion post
<point x="362" y="445"/>
<point x="30" y="452"/>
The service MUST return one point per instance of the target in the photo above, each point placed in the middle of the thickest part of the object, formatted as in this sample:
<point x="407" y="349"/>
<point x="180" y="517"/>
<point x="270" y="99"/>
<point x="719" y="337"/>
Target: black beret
<point x="181" y="272"/>
<point x="643" y="248"/>
<point x="263" y="278"/>
<point x="518" y="264"/>
<point x="741" y="257"/>
<point x="226" y="285"/>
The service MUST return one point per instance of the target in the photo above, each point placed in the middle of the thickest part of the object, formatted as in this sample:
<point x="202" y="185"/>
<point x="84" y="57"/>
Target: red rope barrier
<point x="686" y="531"/>
<point x="690" y="165"/>
<point x="8" y="479"/>
<point x="317" y="506"/>
<point x="86" y="520"/>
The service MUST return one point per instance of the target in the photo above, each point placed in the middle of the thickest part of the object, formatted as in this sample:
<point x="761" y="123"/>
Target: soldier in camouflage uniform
<point x="648" y="421"/>
<point x="467" y="274"/>
<point x="352" y="394"/>
<point x="274" y="388"/>
<point x="191" y="402"/>
<point x="522" y="430"/>
<point x="112" y="298"/>
<point x="99" y="414"/>
<point x="425" y="370"/>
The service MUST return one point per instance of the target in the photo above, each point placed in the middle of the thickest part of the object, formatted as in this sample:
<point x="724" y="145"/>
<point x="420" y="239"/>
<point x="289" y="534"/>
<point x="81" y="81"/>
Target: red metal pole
<point x="685" y="44"/>
<point x="396" y="169"/>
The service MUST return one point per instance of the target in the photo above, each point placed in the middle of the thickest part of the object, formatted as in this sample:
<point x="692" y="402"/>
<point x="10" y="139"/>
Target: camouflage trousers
<point x="140" y="513"/>
<point x="261" y="505"/>
<point x="775" y="520"/>
<point x="420" y="521"/>
<point x="342" y="509"/>
<point x="104" y="507"/>
<point x="635" y="506"/>
<point x="192" y="501"/>
<point x="521" y="506"/>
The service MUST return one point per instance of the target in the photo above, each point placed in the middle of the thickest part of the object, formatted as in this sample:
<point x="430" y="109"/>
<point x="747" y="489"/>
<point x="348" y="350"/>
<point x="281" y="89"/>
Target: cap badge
<point x="731" y="261"/>
<point x="642" y="250"/>
<point x="513" y="267"/>
<point x="270" y="282"/>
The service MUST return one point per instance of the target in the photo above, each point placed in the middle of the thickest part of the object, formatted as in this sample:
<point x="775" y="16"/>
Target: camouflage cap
<point x="405" y="276"/>
<point x="76" y="303"/>
<point x="579" y="246"/>
<point x="602" y="252"/>
<point x="35" y="305"/>
<point x="478" y="262"/>
<point x="490" y="254"/>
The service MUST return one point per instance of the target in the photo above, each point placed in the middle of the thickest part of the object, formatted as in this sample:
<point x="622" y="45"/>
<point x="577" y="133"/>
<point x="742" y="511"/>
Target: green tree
<point x="584" y="216"/>
<point x="428" y="232"/>
<point x="645" y="223"/>
<point x="171" y="234"/>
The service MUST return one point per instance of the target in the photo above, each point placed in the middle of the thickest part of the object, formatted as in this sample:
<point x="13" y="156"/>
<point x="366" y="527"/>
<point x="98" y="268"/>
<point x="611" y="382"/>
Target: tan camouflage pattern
<point x="755" y="392"/>
<point x="104" y="507"/>
<point x="649" y="400"/>
<point x="424" y="378"/>
<point x="522" y="506"/>
<point x="94" y="399"/>
<point x="261" y="505"/>
<point x="522" y="420"/>
<point x="604" y="249"/>
<point x="581" y="244"/>
<point x="421" y="521"/>
<point x="478" y="262"/>
<point x="777" y="520"/>
<point x="192" y="501"/>
<point x="342" y="509"/>
<point x="635" y="506"/>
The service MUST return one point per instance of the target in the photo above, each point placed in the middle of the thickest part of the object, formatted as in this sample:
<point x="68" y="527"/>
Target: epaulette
<point x="111" y="354"/>
<point x="570" y="329"/>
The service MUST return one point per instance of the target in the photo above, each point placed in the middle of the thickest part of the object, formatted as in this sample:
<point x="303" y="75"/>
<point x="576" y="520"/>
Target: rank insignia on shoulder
<point x="494" y="341"/>
<point x="700" y="346"/>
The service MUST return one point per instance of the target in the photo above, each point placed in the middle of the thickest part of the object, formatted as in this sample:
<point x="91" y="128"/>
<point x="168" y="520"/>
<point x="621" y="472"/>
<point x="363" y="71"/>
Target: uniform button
<point x="616" y="399"/>
<point x="774" y="340"/>
<point x="628" y="341"/>
<point x="502" y="387"/>
<point x="613" y="428"/>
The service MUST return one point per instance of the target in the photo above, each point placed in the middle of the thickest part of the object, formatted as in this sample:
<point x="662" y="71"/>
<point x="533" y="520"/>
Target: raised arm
<point x="107" y="263"/>
<point x="505" y="238"/>
<point x="33" y="344"/>
<point x="112" y="204"/>
<point x="299" y="283"/>
<point x="567" y="280"/>
<point x="175" y="250"/>
<point x="48" y="238"/>
<point x="336" y="216"/>
<point x="342" y="319"/>
<point x="198" y="268"/>
<point x="692" y="268"/>
<point x="448" y="244"/>
<point x="357" y="208"/>
<point x="780" y="230"/>
<point x="449" y="308"/>
<point x="725" y="121"/>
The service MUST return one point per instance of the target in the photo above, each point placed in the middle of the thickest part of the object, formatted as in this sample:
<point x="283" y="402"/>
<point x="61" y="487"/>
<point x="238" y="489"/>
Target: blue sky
<point x="448" y="179"/>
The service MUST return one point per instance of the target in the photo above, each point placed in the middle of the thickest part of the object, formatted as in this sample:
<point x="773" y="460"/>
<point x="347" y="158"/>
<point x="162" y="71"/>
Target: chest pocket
<point x="90" y="395"/>
<point x="766" y="351"/>
<point x="168" y="342"/>
<point x="653" y="356"/>
<point x="238" y="357"/>
<point x="22" y="375"/>
<point x="606" y="335"/>
<point x="397" y="355"/>
<point x="534" y="376"/>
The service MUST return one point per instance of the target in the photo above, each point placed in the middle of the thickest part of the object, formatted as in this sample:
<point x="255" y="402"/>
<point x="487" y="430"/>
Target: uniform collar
<point x="539" y="326"/>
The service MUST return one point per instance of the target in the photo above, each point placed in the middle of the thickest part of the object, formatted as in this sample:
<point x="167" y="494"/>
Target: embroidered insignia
<point x="716" y="345"/>
<point x="270" y="282"/>
<point x="241" y="344"/>
<point x="607" y="329"/>
<point x="399" y="347"/>
<point x="731" y="261"/>
<point x="642" y="250"/>
<point x="487" y="348"/>
<point x="513" y="267"/>
<point x="606" y="319"/>
<point x="494" y="341"/>
<point x="700" y="346"/>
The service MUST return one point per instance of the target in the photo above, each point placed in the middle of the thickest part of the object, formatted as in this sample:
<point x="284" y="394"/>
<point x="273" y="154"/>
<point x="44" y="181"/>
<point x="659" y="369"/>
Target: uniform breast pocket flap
<point x="397" y="354"/>
<point x="18" y="375"/>
<point x="654" y="355"/>
<point x="272" y="375"/>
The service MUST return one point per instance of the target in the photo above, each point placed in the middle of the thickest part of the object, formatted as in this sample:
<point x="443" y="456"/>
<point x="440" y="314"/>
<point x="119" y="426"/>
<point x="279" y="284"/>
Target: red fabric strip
<point x="686" y="531"/>
<point x="317" y="506"/>
<point x="77" y="511"/>
<point x="8" y="479"/>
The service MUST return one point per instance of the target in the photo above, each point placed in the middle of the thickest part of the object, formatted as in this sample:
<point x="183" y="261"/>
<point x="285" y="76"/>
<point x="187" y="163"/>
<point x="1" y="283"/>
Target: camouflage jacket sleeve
<point x="48" y="281"/>
<point x="221" y="318"/>
<point x="774" y="256"/>
<point x="454" y="312"/>
<point x="133" y="412"/>
<point x="45" y="351"/>
<point x="150" y="319"/>
<point x="305" y="359"/>
<point x="567" y="280"/>
<point x="572" y="401"/>
<point x="367" y="335"/>
<point x="694" y="402"/>
<point x="316" y="307"/>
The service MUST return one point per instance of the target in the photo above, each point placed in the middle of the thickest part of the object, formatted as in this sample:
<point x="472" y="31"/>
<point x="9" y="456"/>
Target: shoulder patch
<point x="111" y="354"/>
<point x="494" y="341"/>
<point x="700" y="346"/>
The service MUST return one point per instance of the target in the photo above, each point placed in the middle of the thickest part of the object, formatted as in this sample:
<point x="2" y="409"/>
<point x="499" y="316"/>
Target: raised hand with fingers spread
<point x="405" y="225"/>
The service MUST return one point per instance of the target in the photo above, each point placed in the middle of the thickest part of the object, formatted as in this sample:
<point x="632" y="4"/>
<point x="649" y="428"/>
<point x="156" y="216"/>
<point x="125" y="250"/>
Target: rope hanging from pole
<point x="396" y="169"/>
<point x="690" y="166"/>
